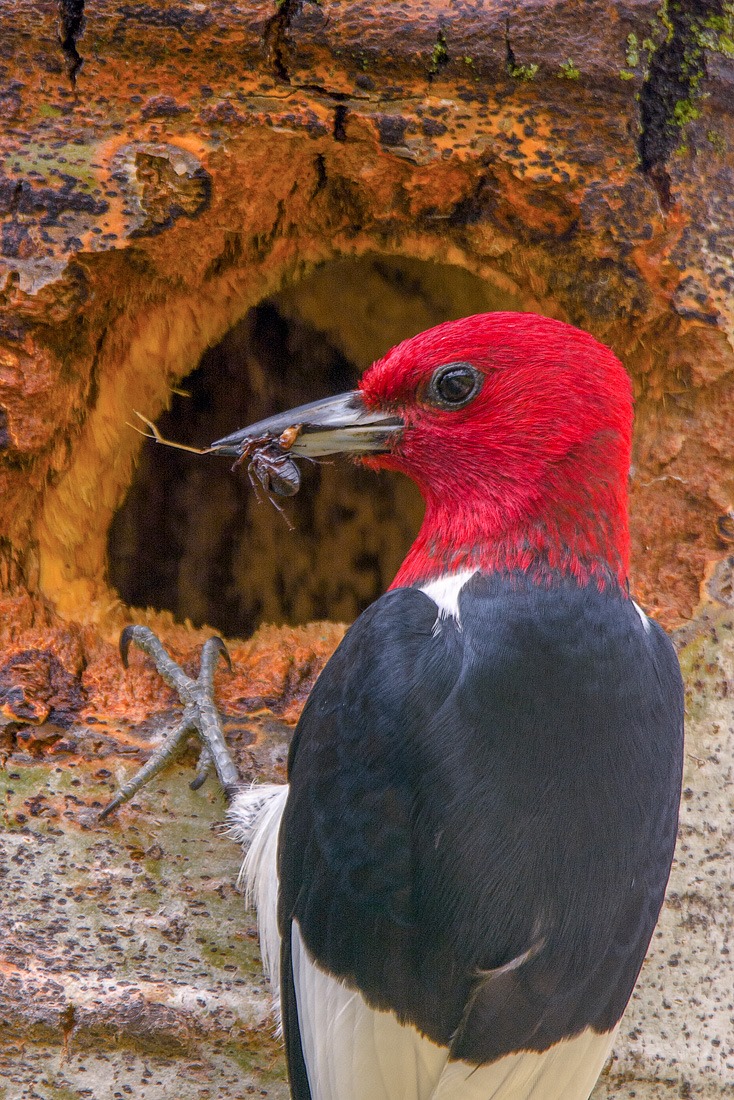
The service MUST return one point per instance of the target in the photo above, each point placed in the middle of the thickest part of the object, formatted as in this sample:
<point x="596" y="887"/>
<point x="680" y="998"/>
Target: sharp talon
<point x="125" y="638"/>
<point x="109" y="808"/>
<point x="219" y="644"/>
<point x="202" y="769"/>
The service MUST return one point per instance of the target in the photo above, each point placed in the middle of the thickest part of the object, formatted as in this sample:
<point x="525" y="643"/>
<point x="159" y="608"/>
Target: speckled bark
<point x="171" y="173"/>
<point x="128" y="961"/>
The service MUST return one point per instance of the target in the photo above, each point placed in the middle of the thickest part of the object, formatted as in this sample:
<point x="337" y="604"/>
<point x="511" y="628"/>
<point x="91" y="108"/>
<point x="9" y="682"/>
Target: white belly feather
<point x="352" y="1051"/>
<point x="254" y="819"/>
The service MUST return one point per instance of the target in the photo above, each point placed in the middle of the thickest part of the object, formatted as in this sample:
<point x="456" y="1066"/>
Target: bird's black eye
<point x="454" y="385"/>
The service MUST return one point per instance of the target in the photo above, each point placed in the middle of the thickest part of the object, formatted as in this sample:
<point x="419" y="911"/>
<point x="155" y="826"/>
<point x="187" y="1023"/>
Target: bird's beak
<point x="336" y="425"/>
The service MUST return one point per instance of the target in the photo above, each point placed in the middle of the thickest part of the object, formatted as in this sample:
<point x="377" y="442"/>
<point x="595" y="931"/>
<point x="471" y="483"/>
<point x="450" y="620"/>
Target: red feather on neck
<point x="532" y="473"/>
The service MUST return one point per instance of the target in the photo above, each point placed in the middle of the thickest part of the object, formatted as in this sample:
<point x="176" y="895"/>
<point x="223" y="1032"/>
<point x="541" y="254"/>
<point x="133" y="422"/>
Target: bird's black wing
<point x="347" y="850"/>
<point x="481" y="815"/>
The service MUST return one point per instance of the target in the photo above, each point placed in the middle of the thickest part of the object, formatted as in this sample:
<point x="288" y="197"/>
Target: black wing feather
<point x="462" y="797"/>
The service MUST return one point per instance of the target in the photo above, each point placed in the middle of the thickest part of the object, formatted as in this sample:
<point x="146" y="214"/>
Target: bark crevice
<point x="71" y="28"/>
<point x="672" y="85"/>
<point x="275" y="37"/>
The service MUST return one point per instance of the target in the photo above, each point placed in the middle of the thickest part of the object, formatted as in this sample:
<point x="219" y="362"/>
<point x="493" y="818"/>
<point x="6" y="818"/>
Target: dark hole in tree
<point x="191" y="536"/>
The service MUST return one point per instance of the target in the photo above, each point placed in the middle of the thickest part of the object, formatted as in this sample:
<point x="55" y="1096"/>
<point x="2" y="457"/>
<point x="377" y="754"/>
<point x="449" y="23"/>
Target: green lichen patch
<point x="569" y="71"/>
<point x="685" y="111"/>
<point x="522" y="72"/>
<point x="672" y="93"/>
<point x="718" y="141"/>
<point x="716" y="32"/>
<point x="439" y="55"/>
<point x="262" y="1056"/>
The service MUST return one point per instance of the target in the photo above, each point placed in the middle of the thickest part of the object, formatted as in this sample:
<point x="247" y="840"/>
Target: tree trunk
<point x="249" y="202"/>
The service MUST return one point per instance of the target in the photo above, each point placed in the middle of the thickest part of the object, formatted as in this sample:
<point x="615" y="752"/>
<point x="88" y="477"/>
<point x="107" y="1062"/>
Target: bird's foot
<point x="200" y="717"/>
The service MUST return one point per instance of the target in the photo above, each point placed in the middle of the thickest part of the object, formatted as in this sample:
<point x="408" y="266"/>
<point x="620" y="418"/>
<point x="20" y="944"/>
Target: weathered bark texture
<point x="250" y="201"/>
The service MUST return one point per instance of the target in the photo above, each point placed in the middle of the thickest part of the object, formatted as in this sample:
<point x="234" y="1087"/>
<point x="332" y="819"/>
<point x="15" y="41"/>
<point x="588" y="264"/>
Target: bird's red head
<point x="517" y="432"/>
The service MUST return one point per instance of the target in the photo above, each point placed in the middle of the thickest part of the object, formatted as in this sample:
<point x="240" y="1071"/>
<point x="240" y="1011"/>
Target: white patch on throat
<point x="444" y="592"/>
<point x="643" y="617"/>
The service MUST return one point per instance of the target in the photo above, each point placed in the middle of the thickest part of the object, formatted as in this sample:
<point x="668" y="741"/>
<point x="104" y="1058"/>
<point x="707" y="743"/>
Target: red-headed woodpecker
<point x="457" y="887"/>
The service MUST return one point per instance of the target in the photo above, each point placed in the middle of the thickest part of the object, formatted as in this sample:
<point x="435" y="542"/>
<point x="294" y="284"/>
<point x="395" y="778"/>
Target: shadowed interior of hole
<point x="191" y="536"/>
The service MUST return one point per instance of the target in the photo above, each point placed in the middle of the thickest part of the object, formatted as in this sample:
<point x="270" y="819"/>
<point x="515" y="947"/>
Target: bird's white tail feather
<point x="254" y="819"/>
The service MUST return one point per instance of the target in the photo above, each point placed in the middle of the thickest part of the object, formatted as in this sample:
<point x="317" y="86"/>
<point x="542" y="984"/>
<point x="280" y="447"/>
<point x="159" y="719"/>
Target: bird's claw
<point x="200" y="716"/>
<point x="203" y="768"/>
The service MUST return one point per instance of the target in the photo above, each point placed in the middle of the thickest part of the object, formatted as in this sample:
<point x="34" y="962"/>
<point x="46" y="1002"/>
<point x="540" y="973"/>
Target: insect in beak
<point x="336" y="425"/>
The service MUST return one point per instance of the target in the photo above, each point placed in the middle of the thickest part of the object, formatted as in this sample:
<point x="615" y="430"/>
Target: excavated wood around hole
<point x="165" y="169"/>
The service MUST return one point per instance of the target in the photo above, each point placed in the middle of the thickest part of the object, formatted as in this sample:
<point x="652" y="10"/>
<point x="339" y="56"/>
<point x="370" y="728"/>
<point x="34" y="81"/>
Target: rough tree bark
<point x="357" y="172"/>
